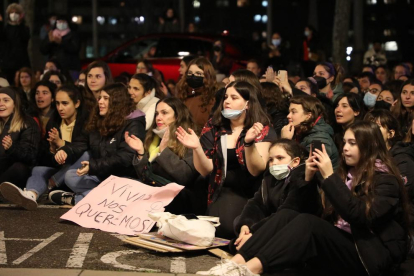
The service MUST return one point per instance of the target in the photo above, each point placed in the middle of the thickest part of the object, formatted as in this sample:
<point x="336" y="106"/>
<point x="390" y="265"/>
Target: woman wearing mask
<point x="283" y="187"/>
<point x="145" y="94"/>
<point x="327" y="78"/>
<point x="98" y="74"/>
<point x="15" y="35"/>
<point x="307" y="124"/>
<point x="19" y="138"/>
<point x="67" y="123"/>
<point x="197" y="89"/>
<point x="232" y="151"/>
<point x="109" y="153"/>
<point x="162" y="159"/>
<point x="365" y="226"/>
<point x="63" y="44"/>
<point x="402" y="110"/>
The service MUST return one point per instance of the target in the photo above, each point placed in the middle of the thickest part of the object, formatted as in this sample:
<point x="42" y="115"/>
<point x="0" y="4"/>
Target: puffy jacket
<point x="324" y="133"/>
<point x="380" y="238"/>
<point x="109" y="154"/>
<point x="24" y="146"/>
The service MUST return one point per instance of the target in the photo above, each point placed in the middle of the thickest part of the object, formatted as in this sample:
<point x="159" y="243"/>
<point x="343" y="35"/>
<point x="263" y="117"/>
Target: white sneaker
<point x="23" y="198"/>
<point x="220" y="269"/>
<point x="240" y="270"/>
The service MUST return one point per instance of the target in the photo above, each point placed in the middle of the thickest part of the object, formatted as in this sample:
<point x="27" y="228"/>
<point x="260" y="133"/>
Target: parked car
<point x="171" y="48"/>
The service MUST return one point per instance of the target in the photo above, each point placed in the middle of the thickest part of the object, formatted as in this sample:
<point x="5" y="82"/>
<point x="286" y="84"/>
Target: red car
<point x="171" y="48"/>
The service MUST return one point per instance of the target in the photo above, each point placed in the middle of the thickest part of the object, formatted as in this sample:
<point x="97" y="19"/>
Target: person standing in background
<point x="14" y="39"/>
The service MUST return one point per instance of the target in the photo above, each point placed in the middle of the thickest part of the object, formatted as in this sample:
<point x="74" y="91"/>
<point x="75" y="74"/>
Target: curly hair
<point x="210" y="84"/>
<point x="310" y="105"/>
<point x="182" y="118"/>
<point x="119" y="107"/>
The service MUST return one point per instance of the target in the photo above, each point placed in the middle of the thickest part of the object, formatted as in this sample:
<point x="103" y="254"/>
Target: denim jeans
<point x="38" y="181"/>
<point x="81" y="185"/>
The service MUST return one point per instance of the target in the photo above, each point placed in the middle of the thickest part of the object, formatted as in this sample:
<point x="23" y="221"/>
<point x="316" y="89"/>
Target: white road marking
<point x="178" y="265"/>
<point x="37" y="248"/>
<point x="111" y="257"/>
<point x="38" y="206"/>
<point x="3" y="255"/>
<point x="79" y="251"/>
<point x="17" y="239"/>
<point x="120" y="236"/>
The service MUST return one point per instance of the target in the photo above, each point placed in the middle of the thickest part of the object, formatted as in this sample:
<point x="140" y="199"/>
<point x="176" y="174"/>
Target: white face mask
<point x="232" y="114"/>
<point x="61" y="26"/>
<point x="160" y="132"/>
<point x="14" y="17"/>
<point x="280" y="171"/>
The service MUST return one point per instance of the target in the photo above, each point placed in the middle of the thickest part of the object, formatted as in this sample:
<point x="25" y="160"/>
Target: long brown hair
<point x="210" y="84"/>
<point x="400" y="112"/>
<point x="182" y="117"/>
<point x="254" y="113"/>
<point x="17" y="123"/>
<point x="105" y="68"/>
<point x="310" y="105"/>
<point x="119" y="107"/>
<point x="371" y="147"/>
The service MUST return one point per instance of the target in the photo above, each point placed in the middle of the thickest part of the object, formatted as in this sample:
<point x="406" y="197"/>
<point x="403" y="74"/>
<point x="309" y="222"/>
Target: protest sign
<point x="121" y="205"/>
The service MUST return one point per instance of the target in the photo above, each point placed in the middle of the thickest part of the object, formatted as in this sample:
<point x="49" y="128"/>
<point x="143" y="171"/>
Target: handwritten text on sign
<point x="121" y="205"/>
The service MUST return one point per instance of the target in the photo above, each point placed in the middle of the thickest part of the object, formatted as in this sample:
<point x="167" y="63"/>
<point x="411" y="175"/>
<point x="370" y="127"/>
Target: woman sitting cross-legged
<point x="65" y="124"/>
<point x="162" y="159"/>
<point x="107" y="153"/>
<point x="365" y="226"/>
<point x="233" y="152"/>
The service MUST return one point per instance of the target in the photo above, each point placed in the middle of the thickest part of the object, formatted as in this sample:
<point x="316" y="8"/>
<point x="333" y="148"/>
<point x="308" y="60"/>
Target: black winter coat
<point x="380" y="238"/>
<point x="15" y="39"/>
<point x="292" y="193"/>
<point x="66" y="53"/>
<point x="109" y="155"/>
<point x="24" y="146"/>
<point x="403" y="155"/>
<point x="46" y="158"/>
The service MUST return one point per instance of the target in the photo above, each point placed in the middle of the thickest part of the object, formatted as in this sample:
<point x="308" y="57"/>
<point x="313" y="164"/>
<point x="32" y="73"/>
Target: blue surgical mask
<point x="276" y="42"/>
<point x="370" y="99"/>
<point x="306" y="33"/>
<point x="232" y="114"/>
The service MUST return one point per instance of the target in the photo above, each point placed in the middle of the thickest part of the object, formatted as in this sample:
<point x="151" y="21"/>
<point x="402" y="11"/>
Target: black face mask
<point x="321" y="82"/>
<point x="194" y="81"/>
<point x="382" y="105"/>
<point x="217" y="48"/>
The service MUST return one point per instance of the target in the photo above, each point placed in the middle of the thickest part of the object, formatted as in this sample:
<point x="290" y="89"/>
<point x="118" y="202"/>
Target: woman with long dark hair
<point x="307" y="124"/>
<point x="66" y="124"/>
<point x="108" y="152"/>
<point x="162" y="159"/>
<point x="365" y="226"/>
<point x="404" y="107"/>
<point x="197" y="89"/>
<point x="232" y="151"/>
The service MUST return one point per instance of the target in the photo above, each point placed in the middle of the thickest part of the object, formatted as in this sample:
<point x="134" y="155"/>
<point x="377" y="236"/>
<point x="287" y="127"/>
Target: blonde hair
<point x="17" y="123"/>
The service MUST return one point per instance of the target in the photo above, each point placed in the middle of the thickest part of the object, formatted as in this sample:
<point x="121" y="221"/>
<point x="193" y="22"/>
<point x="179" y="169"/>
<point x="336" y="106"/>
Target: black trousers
<point x="227" y="207"/>
<point x="17" y="173"/>
<point x="290" y="239"/>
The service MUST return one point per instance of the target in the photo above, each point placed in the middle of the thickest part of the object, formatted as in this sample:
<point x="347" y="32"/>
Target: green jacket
<point x="324" y="133"/>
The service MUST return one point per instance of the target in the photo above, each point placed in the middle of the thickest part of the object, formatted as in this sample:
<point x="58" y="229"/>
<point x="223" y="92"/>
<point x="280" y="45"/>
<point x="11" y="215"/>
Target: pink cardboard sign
<point x="121" y="205"/>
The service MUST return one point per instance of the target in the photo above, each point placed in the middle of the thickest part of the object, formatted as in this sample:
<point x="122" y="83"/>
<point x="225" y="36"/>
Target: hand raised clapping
<point x="188" y="139"/>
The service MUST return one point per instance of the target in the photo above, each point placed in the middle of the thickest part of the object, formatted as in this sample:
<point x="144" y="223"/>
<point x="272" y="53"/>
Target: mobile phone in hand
<point x="316" y="144"/>
<point x="282" y="74"/>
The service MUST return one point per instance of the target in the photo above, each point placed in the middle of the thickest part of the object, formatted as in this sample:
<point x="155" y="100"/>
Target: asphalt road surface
<point x="39" y="239"/>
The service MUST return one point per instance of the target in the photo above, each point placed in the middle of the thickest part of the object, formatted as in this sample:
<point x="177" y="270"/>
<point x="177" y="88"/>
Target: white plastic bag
<point x="200" y="232"/>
